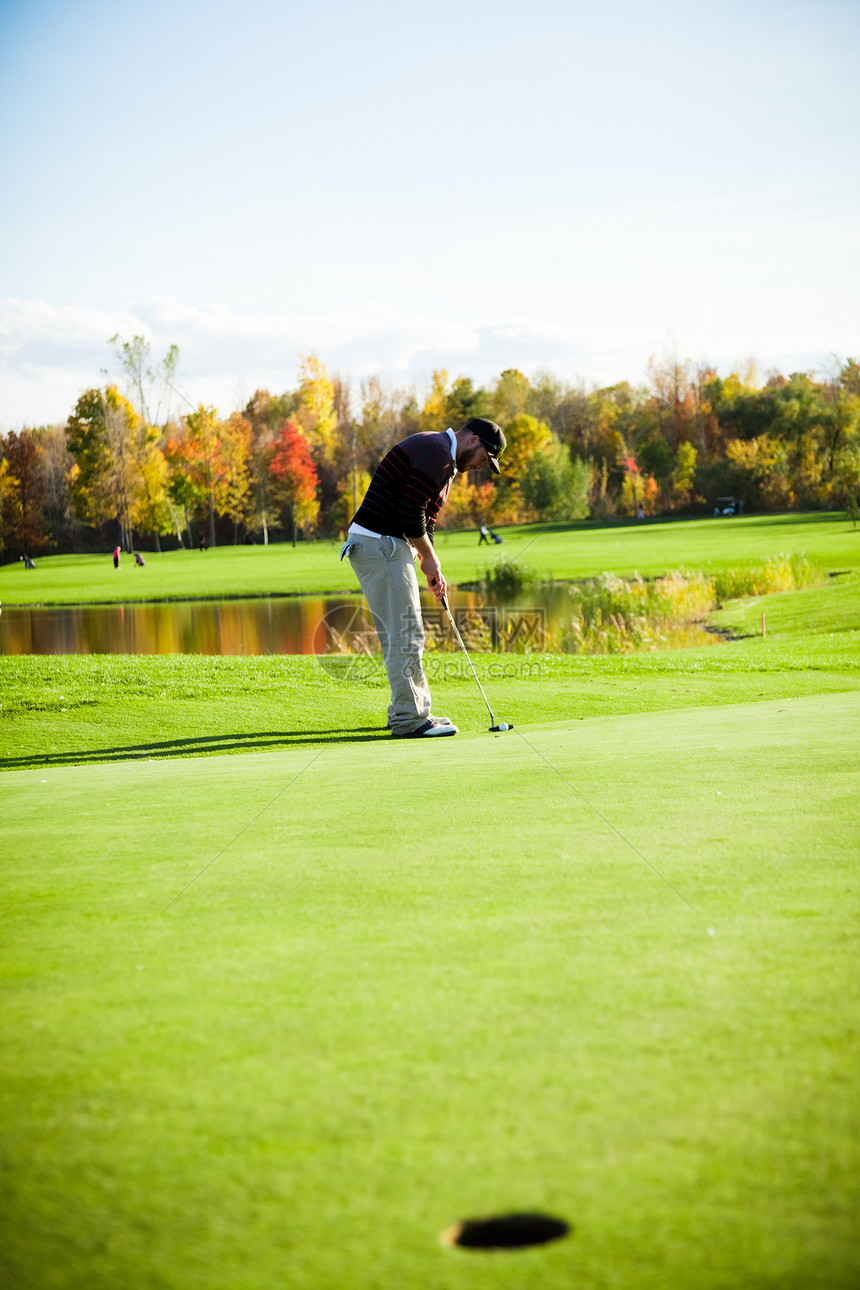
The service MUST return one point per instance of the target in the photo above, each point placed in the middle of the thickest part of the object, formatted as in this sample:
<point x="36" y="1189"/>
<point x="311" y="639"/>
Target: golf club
<point x="502" y="725"/>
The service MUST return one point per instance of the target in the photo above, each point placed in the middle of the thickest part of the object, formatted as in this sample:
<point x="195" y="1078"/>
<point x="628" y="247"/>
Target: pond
<point x="532" y="620"/>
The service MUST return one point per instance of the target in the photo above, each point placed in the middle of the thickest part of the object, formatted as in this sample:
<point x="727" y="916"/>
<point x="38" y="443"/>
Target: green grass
<point x="356" y="1026"/>
<point x="571" y="551"/>
<point x="71" y="708"/>
<point x="274" y="1018"/>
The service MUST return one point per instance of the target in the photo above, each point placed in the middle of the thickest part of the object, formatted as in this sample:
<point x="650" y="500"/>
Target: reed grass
<point x="780" y="573"/>
<point x="613" y="615"/>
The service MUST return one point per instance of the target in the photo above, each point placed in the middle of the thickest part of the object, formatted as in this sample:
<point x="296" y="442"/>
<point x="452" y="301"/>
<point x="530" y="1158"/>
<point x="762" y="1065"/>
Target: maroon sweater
<point x="409" y="487"/>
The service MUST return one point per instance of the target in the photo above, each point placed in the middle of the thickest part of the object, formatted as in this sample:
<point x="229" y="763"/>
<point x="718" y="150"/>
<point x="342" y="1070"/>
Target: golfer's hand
<point x="432" y="571"/>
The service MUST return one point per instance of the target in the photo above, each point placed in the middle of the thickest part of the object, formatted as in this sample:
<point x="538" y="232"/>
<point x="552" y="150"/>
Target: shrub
<point x="506" y="576"/>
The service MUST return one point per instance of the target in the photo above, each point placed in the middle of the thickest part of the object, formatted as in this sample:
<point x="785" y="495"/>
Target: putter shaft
<point x="468" y="660"/>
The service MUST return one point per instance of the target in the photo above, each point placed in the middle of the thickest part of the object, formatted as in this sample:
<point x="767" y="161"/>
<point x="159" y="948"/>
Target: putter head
<point x="503" y="725"/>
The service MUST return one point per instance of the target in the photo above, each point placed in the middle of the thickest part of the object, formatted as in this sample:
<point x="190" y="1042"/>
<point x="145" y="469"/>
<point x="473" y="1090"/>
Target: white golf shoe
<point x="431" y="729"/>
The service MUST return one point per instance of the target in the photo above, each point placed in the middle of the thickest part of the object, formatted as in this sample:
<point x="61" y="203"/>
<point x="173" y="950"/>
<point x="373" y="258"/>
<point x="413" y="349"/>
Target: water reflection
<point x="196" y="627"/>
<point x="296" y="625"/>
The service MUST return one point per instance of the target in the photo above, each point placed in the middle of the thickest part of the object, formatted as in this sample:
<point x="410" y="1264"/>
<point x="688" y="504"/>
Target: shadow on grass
<point x="259" y="739"/>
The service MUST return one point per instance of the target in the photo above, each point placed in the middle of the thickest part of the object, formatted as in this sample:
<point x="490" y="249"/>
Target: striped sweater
<point x="409" y="487"/>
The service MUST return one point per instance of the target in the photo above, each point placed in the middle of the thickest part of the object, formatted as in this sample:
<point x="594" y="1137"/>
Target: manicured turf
<point x="70" y="708"/>
<point x="276" y="1017"/>
<point x="415" y="983"/>
<point x="572" y="551"/>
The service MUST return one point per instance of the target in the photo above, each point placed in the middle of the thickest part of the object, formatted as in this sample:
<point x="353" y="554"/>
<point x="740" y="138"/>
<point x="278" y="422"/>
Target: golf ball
<point x="503" y="725"/>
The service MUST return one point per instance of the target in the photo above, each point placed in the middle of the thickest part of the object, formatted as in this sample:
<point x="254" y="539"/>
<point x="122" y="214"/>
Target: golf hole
<point x="505" y="1232"/>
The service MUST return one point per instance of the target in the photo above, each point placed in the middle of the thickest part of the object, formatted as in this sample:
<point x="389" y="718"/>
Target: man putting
<point x="394" y="524"/>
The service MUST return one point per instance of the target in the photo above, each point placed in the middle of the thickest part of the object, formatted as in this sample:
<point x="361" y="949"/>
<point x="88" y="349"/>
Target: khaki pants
<point x="385" y="568"/>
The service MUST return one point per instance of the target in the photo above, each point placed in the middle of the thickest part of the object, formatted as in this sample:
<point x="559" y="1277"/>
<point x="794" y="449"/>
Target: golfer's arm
<point x="424" y="547"/>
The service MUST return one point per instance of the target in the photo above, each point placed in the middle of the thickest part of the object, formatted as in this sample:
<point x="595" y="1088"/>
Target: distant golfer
<point x="116" y="554"/>
<point x="393" y="525"/>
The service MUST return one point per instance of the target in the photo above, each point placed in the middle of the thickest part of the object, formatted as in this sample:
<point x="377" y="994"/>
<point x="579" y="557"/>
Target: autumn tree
<point x="24" y="520"/>
<point x="553" y="487"/>
<point x="293" y="470"/>
<point x="758" y="471"/>
<point x="208" y="457"/>
<point x="7" y="488"/>
<point x="674" y="398"/>
<point x="186" y="483"/>
<point x="463" y="402"/>
<point x="265" y="413"/>
<point x="632" y="488"/>
<point x="149" y="385"/>
<point x="62" y="525"/>
<point x="545" y="399"/>
<point x="434" y="414"/>
<point x="149" y="388"/>
<point x="150" y="510"/>
<point x="510" y="397"/>
<point x="342" y="471"/>
<point x="315" y="413"/>
<point x="525" y="435"/>
<point x="110" y="446"/>
<point x="468" y="505"/>
<point x="602" y="426"/>
<point x="388" y="414"/>
<point x="684" y="473"/>
<point x="840" y="422"/>
<point x="349" y="499"/>
<point x="237" y="440"/>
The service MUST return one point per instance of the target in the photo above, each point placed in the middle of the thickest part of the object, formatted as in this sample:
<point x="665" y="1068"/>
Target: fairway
<point x="549" y="551"/>
<point x="603" y="968"/>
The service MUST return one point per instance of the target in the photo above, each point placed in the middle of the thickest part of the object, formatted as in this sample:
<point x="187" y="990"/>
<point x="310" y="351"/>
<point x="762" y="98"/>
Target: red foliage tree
<point x="295" y="474"/>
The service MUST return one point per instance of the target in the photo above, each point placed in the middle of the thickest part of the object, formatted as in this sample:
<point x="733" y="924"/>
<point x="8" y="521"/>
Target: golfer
<point x="394" y="525"/>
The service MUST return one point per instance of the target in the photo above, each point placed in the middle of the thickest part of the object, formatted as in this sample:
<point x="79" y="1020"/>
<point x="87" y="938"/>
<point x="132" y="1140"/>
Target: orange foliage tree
<point x="295" y="474"/>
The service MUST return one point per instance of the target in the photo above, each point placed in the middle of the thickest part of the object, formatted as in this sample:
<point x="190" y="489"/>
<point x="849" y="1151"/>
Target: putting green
<point x="603" y="968"/>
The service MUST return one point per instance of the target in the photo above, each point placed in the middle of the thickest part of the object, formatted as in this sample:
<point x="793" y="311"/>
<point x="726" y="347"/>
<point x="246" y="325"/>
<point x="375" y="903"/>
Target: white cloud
<point x="24" y="323"/>
<point x="49" y="354"/>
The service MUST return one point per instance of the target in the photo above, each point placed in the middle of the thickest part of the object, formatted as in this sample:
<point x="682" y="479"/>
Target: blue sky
<point x="399" y="187"/>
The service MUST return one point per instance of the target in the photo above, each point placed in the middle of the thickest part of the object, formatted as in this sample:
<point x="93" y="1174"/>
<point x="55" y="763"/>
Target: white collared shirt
<point x="358" y="530"/>
<point x="452" y="438"/>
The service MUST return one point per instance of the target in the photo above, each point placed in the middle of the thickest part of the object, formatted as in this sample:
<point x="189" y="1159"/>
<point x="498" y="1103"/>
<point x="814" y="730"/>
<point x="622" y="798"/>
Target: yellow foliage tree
<point x="111" y="445"/>
<point x="761" y="464"/>
<point x="684" y="473"/>
<point x="237" y="440"/>
<point x="632" y="493"/>
<point x="316" y="414"/>
<point x="149" y="509"/>
<point x="510" y="397"/>
<point x="525" y="435"/>
<point x="434" y="414"/>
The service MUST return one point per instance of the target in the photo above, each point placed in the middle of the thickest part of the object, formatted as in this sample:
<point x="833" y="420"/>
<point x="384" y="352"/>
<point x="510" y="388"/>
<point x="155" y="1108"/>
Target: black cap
<point x="491" y="436"/>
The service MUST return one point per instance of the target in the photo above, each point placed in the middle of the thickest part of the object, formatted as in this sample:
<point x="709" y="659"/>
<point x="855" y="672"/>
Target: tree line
<point x="133" y="466"/>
